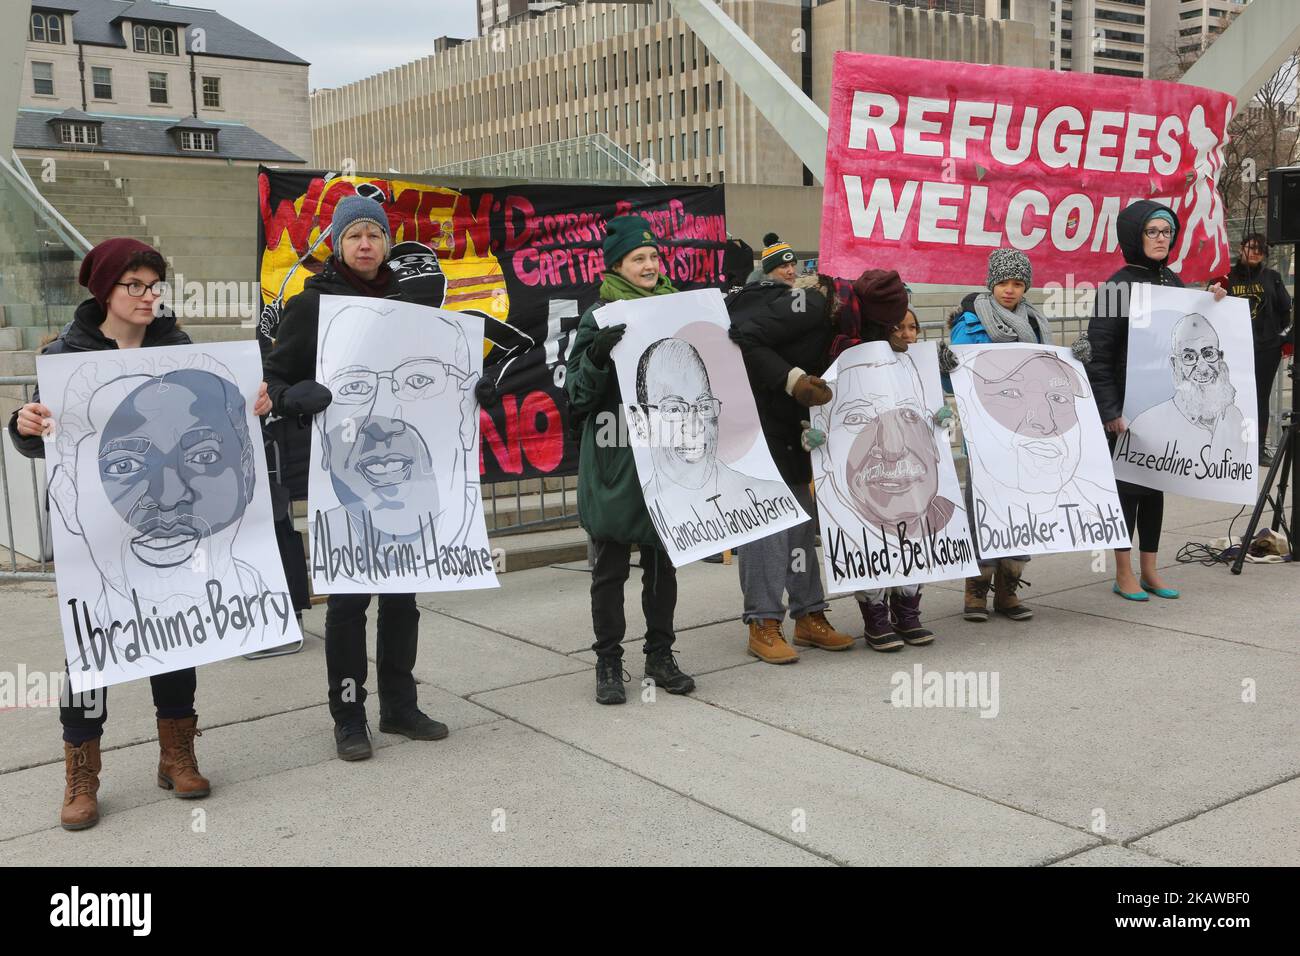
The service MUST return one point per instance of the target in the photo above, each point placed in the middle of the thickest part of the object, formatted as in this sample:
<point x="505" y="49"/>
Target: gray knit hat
<point x="352" y="210"/>
<point x="1007" y="264"/>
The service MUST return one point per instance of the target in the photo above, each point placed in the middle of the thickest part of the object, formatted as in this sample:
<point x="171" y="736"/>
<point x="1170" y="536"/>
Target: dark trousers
<point x="658" y="597"/>
<point x="1266" y="363"/>
<point x="397" y="627"/>
<point x="83" y="715"/>
<point x="1144" y="513"/>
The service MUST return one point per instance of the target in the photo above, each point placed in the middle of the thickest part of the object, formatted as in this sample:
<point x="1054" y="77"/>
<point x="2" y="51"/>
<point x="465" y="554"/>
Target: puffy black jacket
<point x="1270" y="303"/>
<point x="1108" y="328"/>
<point x="82" y="335"/>
<point x="778" y="329"/>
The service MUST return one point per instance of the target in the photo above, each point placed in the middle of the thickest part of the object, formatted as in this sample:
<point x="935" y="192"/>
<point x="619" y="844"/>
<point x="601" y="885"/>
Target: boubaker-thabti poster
<point x="706" y="472"/>
<point x="393" y="496"/>
<point x="1038" y="466"/>
<point x="161" y="514"/>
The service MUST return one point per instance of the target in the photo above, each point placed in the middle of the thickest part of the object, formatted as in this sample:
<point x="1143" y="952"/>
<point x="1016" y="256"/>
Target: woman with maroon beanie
<point x="125" y="311"/>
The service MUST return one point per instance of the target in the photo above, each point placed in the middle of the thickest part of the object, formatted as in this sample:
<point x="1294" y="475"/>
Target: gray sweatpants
<point x="876" y="595"/>
<point x="781" y="563"/>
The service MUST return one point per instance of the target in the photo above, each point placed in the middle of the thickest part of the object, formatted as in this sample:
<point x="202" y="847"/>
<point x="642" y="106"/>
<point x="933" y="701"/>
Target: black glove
<point x="486" y="393"/>
<point x="947" y="358"/>
<point x="305" y="398"/>
<point x="603" y="343"/>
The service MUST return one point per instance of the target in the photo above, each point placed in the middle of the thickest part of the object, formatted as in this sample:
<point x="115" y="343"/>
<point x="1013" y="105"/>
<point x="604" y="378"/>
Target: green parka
<point x="611" y="506"/>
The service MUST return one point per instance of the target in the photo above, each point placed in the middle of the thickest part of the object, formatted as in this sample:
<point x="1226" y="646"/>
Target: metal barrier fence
<point x="510" y="507"/>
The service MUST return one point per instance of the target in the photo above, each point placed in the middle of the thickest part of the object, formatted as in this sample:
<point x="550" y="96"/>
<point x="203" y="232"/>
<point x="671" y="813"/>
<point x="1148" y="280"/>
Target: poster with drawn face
<point x="706" y="472"/>
<point x="887" y="493"/>
<point x="393" y="498"/>
<point x="160" y="510"/>
<point x="1190" y="396"/>
<point x="1039" y="470"/>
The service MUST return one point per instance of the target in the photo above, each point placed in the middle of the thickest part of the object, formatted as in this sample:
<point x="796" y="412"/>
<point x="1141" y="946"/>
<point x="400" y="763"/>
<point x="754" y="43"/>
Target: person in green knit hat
<point x="611" y="506"/>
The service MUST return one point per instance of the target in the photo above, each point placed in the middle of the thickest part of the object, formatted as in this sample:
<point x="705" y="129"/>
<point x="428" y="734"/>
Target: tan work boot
<point x="81" y="768"/>
<point x="178" y="768"/>
<point x="813" y="630"/>
<point x="768" y="644"/>
<point x="1005" y="582"/>
<point x="977" y="595"/>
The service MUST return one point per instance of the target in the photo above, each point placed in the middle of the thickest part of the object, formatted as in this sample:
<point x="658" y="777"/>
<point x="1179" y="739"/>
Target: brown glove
<point x="809" y="391"/>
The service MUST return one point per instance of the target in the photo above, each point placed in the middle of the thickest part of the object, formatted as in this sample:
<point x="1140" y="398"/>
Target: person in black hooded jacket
<point x="358" y="267"/>
<point x="1147" y="232"/>
<point x="125" y="311"/>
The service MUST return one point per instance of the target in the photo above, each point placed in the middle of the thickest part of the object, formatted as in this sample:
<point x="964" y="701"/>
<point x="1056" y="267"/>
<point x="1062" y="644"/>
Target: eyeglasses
<point x="412" y="381"/>
<point x="1157" y="233"/>
<point x="137" y="289"/>
<point x="1209" y="353"/>
<point x="677" y="410"/>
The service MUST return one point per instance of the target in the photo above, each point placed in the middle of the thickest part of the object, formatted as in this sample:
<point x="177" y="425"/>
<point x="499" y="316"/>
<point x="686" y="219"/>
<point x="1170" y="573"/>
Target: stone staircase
<point x="200" y="216"/>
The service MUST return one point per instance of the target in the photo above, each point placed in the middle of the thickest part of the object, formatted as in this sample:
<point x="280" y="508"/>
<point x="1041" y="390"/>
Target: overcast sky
<point x="345" y="40"/>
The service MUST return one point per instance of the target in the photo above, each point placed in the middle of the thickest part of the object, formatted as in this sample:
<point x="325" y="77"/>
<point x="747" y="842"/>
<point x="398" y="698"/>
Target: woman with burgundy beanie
<point x="881" y="312"/>
<point x="125" y="311"/>
<point x="358" y="267"/>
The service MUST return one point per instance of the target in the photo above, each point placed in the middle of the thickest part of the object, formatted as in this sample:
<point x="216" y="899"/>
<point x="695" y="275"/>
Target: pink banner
<point x="931" y="164"/>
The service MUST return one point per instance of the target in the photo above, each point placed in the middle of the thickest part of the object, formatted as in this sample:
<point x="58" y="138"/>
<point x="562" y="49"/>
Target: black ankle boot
<point x="609" y="681"/>
<point x="661" y="667"/>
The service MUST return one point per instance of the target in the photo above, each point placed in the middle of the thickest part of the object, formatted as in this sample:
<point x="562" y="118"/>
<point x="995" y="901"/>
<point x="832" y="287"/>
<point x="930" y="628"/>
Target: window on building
<point x="683" y="109"/>
<point x="79" y="134"/>
<point x="722" y="149"/>
<point x="156" y="40"/>
<point x="101" y="82"/>
<point x="658" y="59"/>
<point x="157" y="87"/>
<point x="198" y="141"/>
<point x="43" y="79"/>
<point x="46" y="28"/>
<point x="708" y="87"/>
<point x="708" y="138"/>
<point x="212" y="92"/>
<point x="672" y="149"/>
<point x="670" y="56"/>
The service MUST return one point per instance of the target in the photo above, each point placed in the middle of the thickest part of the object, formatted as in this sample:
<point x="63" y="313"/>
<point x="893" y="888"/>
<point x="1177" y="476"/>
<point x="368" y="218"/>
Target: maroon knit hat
<point x="881" y="297"/>
<point x="104" y="265"/>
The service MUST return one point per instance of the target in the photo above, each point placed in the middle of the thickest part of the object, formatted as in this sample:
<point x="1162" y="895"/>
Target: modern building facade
<point x="158" y="79"/>
<point x="637" y="74"/>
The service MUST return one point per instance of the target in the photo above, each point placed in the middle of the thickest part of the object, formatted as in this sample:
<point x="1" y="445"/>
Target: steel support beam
<point x="797" y="119"/>
<point x="1250" y="51"/>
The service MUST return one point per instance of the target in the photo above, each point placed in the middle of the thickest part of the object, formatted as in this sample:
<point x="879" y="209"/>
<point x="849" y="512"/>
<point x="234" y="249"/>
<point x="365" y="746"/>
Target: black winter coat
<point x="1108" y="328"/>
<point x="1270" y="303"/>
<point x="778" y="329"/>
<point x="82" y="335"/>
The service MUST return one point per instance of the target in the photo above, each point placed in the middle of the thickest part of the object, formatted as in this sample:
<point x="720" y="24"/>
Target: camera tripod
<point x="1282" y="470"/>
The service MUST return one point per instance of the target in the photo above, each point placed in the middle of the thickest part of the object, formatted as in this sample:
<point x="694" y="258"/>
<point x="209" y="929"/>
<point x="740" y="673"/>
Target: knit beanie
<point x="1005" y="264"/>
<point x="882" y="297"/>
<point x="775" y="252"/>
<point x="104" y="265"/>
<point x="624" y="234"/>
<point x="1166" y="216"/>
<point x="352" y="210"/>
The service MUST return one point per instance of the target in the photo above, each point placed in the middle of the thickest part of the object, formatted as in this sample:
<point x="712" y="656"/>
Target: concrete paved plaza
<point x="1118" y="736"/>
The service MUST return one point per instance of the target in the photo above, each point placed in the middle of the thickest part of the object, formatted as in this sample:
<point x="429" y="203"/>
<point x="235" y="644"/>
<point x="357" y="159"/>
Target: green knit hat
<point x="624" y="234"/>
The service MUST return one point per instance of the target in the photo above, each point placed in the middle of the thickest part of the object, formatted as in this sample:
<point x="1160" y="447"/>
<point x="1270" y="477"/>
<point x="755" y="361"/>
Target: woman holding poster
<point x="611" y="505"/>
<point x="125" y="278"/>
<point x="358" y="267"/>
<point x="1146" y="232"/>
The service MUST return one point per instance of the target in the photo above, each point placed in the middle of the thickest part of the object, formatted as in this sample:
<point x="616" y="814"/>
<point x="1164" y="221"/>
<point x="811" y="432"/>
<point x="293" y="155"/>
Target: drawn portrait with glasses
<point x="400" y="434"/>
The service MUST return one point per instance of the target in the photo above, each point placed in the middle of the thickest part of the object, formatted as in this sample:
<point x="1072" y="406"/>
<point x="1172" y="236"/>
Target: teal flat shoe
<point x="1136" y="596"/>
<point x="1169" y="593"/>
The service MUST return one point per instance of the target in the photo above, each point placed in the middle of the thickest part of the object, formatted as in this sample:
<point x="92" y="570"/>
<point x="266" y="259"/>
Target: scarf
<point x="377" y="287"/>
<point x="1003" y="325"/>
<point x="614" y="288"/>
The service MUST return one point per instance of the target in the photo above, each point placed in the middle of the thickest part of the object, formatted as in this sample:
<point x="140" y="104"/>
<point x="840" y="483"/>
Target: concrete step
<point x="154" y="191"/>
<point x="105" y="205"/>
<point x="27" y="315"/>
<point x="194" y="223"/>
<point x="11" y="340"/>
<point x="101" y="220"/>
<point x="97" y="235"/>
<point x="216" y="268"/>
<point x="17" y="363"/>
<point x="73" y="189"/>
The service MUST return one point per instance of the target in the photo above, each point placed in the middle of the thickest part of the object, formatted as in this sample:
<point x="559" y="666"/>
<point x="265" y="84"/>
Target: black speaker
<point x="1284" y="205"/>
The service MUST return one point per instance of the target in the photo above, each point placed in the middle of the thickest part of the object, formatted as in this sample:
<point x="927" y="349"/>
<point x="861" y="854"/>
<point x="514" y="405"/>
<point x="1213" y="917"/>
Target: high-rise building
<point x="635" y="73"/>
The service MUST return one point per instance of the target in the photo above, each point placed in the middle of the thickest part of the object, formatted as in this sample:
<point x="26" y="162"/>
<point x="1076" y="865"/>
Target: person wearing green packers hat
<point x="611" y="506"/>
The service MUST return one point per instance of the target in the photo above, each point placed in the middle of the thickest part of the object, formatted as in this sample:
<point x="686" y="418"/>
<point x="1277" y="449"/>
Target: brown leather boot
<point x="813" y="630"/>
<point x="81" y="768"/>
<point x="977" y="595"/>
<point x="178" y="768"/>
<point x="768" y="644"/>
<point x="1005" y="582"/>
